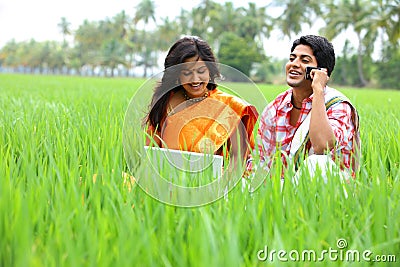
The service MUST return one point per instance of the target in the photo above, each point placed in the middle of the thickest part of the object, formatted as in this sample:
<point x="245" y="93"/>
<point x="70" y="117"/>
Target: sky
<point x="23" y="20"/>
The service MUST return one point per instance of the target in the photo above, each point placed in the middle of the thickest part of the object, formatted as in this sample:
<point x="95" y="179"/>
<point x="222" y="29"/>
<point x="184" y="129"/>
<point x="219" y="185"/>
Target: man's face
<point x="301" y="57"/>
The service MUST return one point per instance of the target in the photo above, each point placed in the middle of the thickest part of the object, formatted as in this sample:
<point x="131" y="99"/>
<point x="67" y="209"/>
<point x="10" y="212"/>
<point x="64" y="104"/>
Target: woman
<point x="189" y="113"/>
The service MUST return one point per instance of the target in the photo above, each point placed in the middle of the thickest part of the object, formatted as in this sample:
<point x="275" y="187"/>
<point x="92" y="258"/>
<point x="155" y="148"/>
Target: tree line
<point x="132" y="44"/>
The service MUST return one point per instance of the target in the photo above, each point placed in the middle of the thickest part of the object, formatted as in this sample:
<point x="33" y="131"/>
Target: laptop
<point x="173" y="162"/>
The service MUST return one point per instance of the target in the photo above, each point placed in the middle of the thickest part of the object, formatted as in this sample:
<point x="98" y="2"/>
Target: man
<point x="310" y="118"/>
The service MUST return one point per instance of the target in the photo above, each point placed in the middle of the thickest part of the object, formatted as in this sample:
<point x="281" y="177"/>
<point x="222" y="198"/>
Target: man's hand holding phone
<point x="308" y="72"/>
<point x="318" y="77"/>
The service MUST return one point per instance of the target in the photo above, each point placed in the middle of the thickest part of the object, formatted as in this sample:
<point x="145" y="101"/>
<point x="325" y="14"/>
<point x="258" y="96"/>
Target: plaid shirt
<point x="275" y="129"/>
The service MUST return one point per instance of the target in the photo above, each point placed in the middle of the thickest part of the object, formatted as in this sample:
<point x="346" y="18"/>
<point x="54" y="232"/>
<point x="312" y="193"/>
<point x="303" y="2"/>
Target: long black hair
<point x="184" y="48"/>
<point x="322" y="49"/>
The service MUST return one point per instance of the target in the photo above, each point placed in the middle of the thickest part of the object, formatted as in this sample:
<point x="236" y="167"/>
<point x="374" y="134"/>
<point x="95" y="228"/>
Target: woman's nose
<point x="196" y="77"/>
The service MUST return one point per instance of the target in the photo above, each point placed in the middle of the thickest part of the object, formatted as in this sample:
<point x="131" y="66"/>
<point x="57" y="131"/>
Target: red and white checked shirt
<point x="275" y="129"/>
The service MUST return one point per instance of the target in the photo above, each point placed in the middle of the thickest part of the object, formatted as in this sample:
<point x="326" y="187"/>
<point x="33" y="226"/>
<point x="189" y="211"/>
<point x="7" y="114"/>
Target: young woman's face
<point x="194" y="77"/>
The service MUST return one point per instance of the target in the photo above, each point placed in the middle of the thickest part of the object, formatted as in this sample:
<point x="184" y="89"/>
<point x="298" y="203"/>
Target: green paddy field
<point x="67" y="197"/>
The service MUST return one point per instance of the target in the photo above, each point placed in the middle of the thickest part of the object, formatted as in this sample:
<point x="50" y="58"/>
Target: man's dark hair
<point x="322" y="49"/>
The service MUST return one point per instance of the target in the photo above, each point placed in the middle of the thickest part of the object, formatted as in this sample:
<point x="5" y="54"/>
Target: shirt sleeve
<point x="266" y="140"/>
<point x="263" y="141"/>
<point x="339" y="117"/>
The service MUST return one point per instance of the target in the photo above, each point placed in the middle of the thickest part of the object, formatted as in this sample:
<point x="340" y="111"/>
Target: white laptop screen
<point x="185" y="163"/>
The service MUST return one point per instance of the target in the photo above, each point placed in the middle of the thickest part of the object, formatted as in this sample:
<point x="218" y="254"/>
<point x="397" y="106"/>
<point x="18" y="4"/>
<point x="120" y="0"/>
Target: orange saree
<point x="207" y="125"/>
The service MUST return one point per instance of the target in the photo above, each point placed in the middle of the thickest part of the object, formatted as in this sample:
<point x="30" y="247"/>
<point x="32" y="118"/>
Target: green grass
<point x="66" y="198"/>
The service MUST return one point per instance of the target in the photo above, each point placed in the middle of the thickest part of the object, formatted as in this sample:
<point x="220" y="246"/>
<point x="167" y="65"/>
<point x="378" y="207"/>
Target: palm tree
<point x="145" y="11"/>
<point x="255" y="23"/>
<point x="64" y="26"/>
<point x="224" y="19"/>
<point x="388" y="19"/>
<point x="113" y="54"/>
<point x="55" y="60"/>
<point x="122" y="24"/>
<point x="8" y="54"/>
<point x="167" y="33"/>
<point x="183" y="21"/>
<point x="348" y="14"/>
<point x="200" y="20"/>
<point x="89" y="38"/>
<point x="197" y="23"/>
<point x="295" y="14"/>
<point x="123" y="30"/>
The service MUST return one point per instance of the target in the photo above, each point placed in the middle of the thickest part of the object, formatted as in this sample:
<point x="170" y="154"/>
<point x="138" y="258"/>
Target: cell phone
<point x="308" y="70"/>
